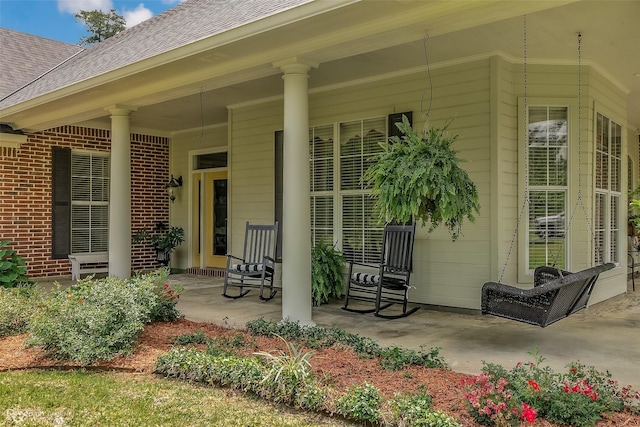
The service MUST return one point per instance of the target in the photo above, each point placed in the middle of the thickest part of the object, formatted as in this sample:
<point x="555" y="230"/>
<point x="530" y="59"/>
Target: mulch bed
<point x="341" y="367"/>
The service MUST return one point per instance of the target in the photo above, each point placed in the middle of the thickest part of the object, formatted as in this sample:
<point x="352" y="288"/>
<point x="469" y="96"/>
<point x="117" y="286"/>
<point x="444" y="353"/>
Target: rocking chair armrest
<point x="361" y="264"/>
<point x="229" y="256"/>
<point x="268" y="258"/>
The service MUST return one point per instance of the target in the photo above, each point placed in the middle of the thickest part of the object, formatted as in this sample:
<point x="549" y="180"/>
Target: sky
<point x="54" y="19"/>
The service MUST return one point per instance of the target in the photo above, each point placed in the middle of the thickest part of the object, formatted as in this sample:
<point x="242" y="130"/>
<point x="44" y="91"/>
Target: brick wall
<point x="25" y="193"/>
<point x="149" y="199"/>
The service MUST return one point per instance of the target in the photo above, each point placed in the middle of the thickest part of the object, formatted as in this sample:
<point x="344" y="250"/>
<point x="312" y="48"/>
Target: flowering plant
<point x="529" y="390"/>
<point x="491" y="402"/>
<point x="165" y="309"/>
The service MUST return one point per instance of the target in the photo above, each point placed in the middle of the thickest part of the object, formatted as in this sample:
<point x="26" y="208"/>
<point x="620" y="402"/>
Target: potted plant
<point x="164" y="240"/>
<point x="327" y="265"/>
<point x="418" y="177"/>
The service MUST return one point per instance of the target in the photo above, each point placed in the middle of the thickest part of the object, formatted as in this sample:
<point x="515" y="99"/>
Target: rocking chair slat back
<point x="398" y="248"/>
<point x="259" y="241"/>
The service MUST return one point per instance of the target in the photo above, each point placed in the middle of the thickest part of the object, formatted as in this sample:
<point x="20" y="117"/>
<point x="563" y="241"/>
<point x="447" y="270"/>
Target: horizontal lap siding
<point x="507" y="191"/>
<point x="445" y="273"/>
<point x="252" y="167"/>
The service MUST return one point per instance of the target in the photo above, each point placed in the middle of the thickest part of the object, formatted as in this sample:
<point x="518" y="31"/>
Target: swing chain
<point x="426" y="115"/>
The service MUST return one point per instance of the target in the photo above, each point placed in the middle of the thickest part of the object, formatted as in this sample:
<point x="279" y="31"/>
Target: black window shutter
<point x="61" y="202"/>
<point x="279" y="149"/>
<point x="397" y="118"/>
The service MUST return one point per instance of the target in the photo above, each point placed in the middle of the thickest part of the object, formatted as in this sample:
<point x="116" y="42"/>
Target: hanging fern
<point x="418" y="177"/>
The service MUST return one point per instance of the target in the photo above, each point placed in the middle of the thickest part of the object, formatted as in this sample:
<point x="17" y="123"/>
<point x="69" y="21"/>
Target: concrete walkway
<point x="606" y="335"/>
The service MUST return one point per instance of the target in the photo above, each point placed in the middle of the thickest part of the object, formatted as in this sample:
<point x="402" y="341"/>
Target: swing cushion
<point x="550" y="300"/>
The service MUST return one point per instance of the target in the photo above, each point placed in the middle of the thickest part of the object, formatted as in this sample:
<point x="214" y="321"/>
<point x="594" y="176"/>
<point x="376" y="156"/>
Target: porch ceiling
<point x="355" y="41"/>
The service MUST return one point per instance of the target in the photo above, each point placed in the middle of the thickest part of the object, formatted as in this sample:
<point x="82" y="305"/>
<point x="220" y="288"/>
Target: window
<point x="89" y="202"/>
<point x="336" y="169"/>
<point x="361" y="234"/>
<point x="547" y="174"/>
<point x="608" y="140"/>
<point x="321" y="146"/>
<point x="80" y="202"/>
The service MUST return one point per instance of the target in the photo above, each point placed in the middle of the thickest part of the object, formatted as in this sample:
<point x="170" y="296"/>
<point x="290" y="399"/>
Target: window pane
<point x="362" y="235"/>
<point x="615" y="209"/>
<point x="321" y="150"/>
<point x="599" y="229"/>
<point x="601" y="170"/>
<point x="89" y="202"/>
<point x="547" y="227"/>
<point x="322" y="219"/>
<point x="211" y="160"/>
<point x="359" y="141"/>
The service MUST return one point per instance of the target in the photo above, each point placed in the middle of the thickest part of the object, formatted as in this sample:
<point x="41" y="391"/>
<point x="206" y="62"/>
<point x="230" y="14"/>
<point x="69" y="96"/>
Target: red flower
<point x="528" y="413"/>
<point x="534" y="385"/>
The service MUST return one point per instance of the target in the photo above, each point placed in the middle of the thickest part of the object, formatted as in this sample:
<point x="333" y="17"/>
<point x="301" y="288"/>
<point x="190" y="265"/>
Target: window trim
<point x="599" y="109"/>
<point x="524" y="274"/>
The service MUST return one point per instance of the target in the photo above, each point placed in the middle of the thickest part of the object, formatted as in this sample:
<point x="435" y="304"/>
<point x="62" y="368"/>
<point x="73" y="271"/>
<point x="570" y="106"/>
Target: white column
<point x="120" y="192"/>
<point x="296" y="227"/>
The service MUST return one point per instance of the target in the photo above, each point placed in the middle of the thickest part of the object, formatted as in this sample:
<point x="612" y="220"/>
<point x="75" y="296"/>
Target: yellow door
<point x="209" y="196"/>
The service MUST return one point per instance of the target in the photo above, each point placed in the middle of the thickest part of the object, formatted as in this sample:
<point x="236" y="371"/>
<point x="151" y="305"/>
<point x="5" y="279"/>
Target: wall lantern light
<point x="172" y="186"/>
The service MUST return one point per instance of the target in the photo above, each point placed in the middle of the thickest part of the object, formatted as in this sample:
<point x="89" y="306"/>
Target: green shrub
<point x="396" y="358"/>
<point x="17" y="305"/>
<point x="13" y="268"/>
<point x="415" y="410"/>
<point x="197" y="337"/>
<point x="312" y="397"/>
<point x="94" y="319"/>
<point x="361" y="403"/>
<point x="327" y="265"/>
<point x="162" y="307"/>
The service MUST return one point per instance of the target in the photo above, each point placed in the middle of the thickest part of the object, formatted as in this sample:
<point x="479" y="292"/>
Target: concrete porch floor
<point x="605" y="335"/>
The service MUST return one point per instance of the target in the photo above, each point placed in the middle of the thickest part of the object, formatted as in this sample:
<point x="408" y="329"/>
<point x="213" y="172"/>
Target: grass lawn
<point x="76" y="398"/>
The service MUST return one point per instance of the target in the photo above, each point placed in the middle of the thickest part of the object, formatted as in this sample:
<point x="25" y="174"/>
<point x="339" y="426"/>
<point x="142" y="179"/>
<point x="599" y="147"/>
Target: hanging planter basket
<point x="418" y="178"/>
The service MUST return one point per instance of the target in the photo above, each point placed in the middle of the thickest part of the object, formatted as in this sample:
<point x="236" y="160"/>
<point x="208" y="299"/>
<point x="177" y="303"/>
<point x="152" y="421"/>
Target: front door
<point x="210" y="219"/>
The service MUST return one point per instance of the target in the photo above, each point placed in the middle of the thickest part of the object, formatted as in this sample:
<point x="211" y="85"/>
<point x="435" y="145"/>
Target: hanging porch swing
<point x="556" y="293"/>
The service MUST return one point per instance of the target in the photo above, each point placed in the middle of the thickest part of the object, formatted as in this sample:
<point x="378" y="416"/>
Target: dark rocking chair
<point x="556" y="294"/>
<point x="390" y="284"/>
<point x="257" y="266"/>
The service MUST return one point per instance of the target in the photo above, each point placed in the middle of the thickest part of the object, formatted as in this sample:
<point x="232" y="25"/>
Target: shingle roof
<point x="24" y="57"/>
<point x="186" y="23"/>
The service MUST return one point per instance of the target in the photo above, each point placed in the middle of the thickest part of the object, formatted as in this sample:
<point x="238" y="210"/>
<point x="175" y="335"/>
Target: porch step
<point x="209" y="271"/>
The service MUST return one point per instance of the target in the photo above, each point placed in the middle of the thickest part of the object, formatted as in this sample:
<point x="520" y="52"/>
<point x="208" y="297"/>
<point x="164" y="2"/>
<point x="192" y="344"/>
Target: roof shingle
<point x="186" y="23"/>
<point x="25" y="57"/>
